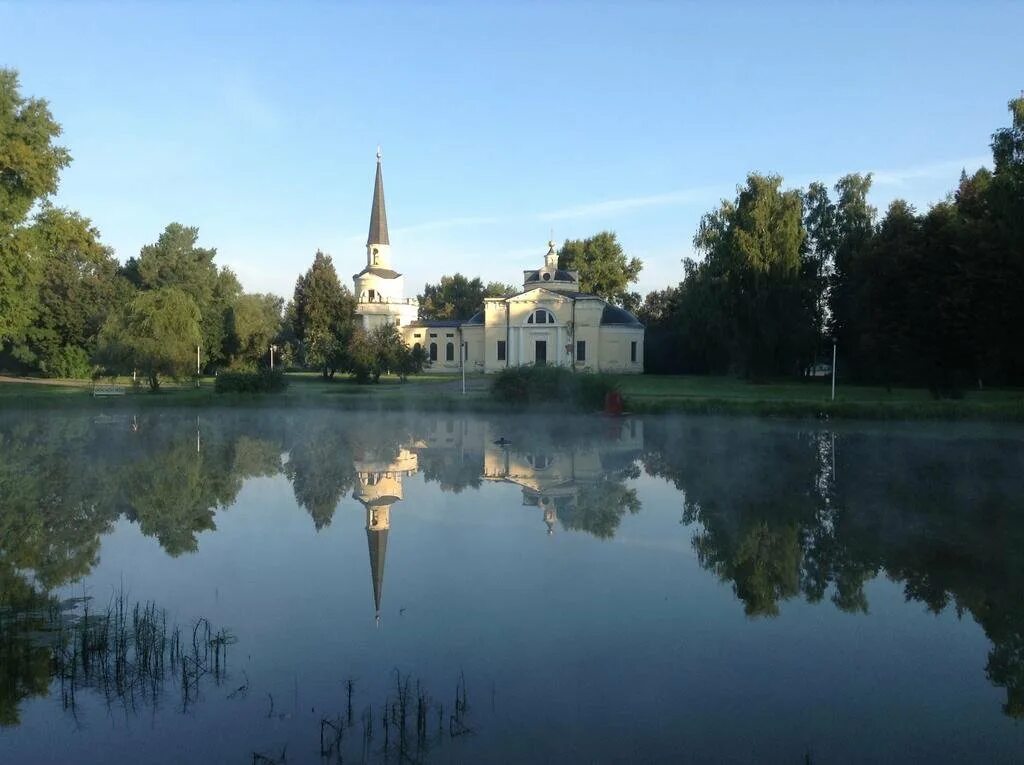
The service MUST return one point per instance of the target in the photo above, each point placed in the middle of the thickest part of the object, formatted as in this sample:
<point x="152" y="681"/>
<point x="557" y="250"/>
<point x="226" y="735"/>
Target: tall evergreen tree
<point x="322" y="315"/>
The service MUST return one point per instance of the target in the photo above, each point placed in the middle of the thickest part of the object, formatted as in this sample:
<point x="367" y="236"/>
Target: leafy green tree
<point x="499" y="289"/>
<point x="79" y="287"/>
<point x="255" y="322"/>
<point x="156" y="334"/>
<point x="175" y="260"/>
<point x="322" y="316"/>
<point x="30" y="165"/>
<point x="458" y="297"/>
<point x="853" y="227"/>
<point x="381" y="351"/>
<point x="604" y="268"/>
<point x="754" y="248"/>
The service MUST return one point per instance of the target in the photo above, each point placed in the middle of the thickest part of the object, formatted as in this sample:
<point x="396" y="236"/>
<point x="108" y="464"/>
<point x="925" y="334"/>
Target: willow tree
<point x="157" y="334"/>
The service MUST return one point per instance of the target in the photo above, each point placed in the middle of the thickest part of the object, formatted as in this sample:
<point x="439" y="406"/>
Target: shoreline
<point x="443" y="396"/>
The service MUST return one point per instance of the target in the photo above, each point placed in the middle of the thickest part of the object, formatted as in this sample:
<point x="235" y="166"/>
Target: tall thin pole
<point x="271" y="358"/>
<point x="197" y="361"/>
<point x="462" y="351"/>
<point x="833" y="370"/>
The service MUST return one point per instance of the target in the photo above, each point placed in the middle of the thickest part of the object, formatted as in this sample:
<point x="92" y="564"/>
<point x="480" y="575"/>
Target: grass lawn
<point x="649" y="393"/>
<point x="643" y="394"/>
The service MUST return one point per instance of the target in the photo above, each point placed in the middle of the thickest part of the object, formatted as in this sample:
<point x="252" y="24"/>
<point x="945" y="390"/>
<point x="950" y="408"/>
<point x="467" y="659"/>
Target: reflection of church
<point x="451" y="450"/>
<point x="551" y="476"/>
<point x="380" y="486"/>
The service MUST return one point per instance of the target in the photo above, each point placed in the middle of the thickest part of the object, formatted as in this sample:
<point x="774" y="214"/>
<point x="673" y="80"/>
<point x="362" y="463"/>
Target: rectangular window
<point x="501" y="350"/>
<point x="449" y="335"/>
<point x="373" y="295"/>
<point x="581" y="350"/>
<point x="417" y="334"/>
<point x="433" y="334"/>
<point x="632" y="351"/>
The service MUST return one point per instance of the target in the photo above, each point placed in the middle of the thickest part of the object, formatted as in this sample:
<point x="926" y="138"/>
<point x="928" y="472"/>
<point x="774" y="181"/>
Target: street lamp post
<point x="833" y="370"/>
<point x="272" y="349"/>
<point x="462" y="351"/>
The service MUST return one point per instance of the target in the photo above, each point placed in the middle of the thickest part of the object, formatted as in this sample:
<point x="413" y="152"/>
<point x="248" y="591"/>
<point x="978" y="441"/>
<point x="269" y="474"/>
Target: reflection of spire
<point x="377" y="540"/>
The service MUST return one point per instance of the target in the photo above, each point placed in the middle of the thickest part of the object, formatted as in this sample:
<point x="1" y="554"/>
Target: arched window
<point x="449" y="352"/>
<point x="416" y="346"/>
<point x="541" y="316"/>
<point x="433" y="351"/>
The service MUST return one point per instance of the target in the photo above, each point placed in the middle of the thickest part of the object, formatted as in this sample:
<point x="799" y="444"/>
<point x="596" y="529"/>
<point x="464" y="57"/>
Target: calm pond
<point x="318" y="586"/>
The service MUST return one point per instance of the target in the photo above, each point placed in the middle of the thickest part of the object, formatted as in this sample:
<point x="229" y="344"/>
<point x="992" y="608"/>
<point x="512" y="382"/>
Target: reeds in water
<point x="129" y="653"/>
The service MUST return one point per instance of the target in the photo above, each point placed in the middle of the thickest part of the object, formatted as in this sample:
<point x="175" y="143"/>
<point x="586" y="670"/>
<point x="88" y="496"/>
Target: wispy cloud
<point x="446" y="223"/>
<point x="934" y="170"/>
<point x="627" y="204"/>
<point x="433" y="225"/>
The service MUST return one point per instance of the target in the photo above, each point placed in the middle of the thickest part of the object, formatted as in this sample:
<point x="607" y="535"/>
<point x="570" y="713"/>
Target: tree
<point x="458" y="297"/>
<point x="753" y="266"/>
<point x="322" y="316"/>
<point x="380" y="351"/>
<point x="255" y="322"/>
<point x="852" y="231"/>
<point x="603" y="267"/>
<point x="30" y="166"/>
<point x="157" y="334"/>
<point x="175" y="260"/>
<point x="78" y="288"/>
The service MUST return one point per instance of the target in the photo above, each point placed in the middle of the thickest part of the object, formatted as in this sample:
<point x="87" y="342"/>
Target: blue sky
<point x="499" y="122"/>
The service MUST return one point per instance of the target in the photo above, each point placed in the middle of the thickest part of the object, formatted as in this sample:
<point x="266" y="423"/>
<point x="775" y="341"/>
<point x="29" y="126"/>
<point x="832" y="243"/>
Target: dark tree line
<point x="913" y="298"/>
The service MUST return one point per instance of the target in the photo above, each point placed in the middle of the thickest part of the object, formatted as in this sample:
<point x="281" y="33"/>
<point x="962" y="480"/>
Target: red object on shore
<point x="613" y="402"/>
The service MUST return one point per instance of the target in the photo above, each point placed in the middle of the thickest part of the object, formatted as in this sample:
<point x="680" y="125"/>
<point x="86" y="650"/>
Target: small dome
<point x="615" y="315"/>
<point x="560" y="275"/>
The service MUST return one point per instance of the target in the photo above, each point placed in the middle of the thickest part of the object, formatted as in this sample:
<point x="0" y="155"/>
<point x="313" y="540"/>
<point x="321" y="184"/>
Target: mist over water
<point x="660" y="589"/>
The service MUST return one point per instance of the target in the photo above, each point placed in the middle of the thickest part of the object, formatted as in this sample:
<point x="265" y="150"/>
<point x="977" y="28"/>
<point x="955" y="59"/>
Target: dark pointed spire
<point x="378" y="542"/>
<point x="378" y="215"/>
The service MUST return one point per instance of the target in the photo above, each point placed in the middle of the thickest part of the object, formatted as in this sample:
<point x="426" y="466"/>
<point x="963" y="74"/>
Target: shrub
<point x="549" y="384"/>
<point x="261" y="381"/>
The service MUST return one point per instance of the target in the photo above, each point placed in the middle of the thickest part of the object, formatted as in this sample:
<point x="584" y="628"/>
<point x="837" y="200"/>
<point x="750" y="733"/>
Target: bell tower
<point x="378" y="248"/>
<point x="379" y="289"/>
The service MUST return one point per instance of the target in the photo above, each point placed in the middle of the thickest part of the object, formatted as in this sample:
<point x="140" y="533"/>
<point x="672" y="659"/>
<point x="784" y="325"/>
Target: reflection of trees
<point x="779" y="514"/>
<point x="24" y="663"/>
<point x="452" y="469"/>
<point x="599" y="506"/>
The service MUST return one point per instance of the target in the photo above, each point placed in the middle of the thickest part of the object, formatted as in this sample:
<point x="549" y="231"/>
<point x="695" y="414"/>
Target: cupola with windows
<point x="552" y="277"/>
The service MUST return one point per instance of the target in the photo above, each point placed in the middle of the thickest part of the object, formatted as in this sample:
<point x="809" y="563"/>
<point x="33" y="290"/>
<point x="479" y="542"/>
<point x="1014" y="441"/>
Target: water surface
<point x="669" y="589"/>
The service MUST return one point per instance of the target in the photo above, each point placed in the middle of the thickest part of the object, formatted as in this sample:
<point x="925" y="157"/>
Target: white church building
<point x="550" y="321"/>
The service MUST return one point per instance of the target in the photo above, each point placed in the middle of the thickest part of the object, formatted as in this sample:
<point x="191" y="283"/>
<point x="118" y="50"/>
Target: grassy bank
<point x="812" y="398"/>
<point x="643" y="394"/>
